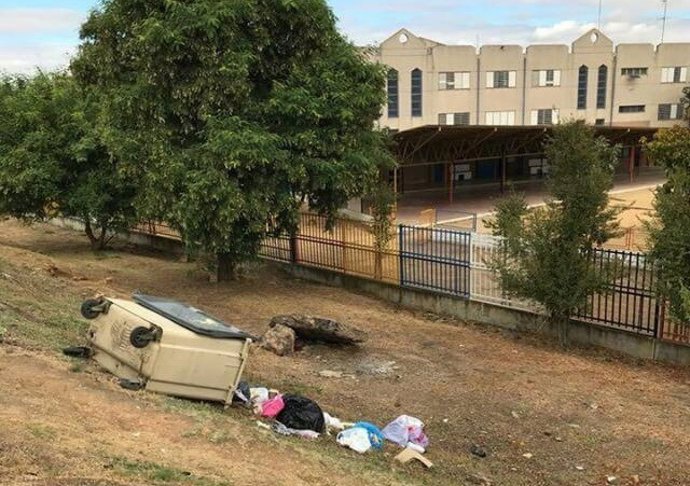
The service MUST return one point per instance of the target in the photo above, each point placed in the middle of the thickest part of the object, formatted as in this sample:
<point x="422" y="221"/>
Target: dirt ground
<point x="636" y="207"/>
<point x="543" y="415"/>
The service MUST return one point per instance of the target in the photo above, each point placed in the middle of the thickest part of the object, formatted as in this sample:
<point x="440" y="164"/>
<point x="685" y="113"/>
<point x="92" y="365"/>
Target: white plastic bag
<point x="356" y="439"/>
<point x="332" y="423"/>
<point x="405" y="429"/>
<point x="258" y="395"/>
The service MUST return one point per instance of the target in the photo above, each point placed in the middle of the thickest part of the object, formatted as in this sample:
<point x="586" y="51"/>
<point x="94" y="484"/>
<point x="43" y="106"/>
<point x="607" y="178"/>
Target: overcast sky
<point x="43" y="33"/>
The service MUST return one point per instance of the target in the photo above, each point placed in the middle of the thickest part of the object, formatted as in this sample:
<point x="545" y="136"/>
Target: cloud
<point x="526" y="30"/>
<point x="26" y="58"/>
<point x="32" y="38"/>
<point x="39" y="20"/>
<point x="45" y="37"/>
<point x="560" y="30"/>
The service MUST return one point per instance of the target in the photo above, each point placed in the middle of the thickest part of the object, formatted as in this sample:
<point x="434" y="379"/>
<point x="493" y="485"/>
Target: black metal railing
<point x="629" y="302"/>
<point x="440" y="261"/>
<point x="435" y="259"/>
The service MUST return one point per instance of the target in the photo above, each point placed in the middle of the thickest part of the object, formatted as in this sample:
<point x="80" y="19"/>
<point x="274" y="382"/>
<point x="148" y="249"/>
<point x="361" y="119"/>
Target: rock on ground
<point x="280" y="340"/>
<point x="323" y="330"/>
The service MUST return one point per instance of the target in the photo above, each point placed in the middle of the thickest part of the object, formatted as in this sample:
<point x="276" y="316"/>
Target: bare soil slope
<point x="545" y="416"/>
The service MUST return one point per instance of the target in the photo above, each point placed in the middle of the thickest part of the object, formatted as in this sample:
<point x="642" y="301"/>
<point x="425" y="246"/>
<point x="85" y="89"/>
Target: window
<point x="454" y="118"/>
<point x="500" y="118"/>
<point x="501" y="79"/>
<point x="671" y="111"/>
<point x="393" y="94"/>
<point x="416" y="98"/>
<point x="674" y="74"/>
<point x="583" y="73"/>
<point x="601" y="86"/>
<point x="545" y="117"/>
<point x="631" y="109"/>
<point x="600" y="121"/>
<point x="635" y="72"/>
<point x="455" y="80"/>
<point x="546" y="77"/>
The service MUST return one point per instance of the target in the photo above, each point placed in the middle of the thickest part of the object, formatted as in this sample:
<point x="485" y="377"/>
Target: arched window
<point x="602" y="83"/>
<point x="393" y="94"/>
<point x="582" y="88"/>
<point x="416" y="92"/>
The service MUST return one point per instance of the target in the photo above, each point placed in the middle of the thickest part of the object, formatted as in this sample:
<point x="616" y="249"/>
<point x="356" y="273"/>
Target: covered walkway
<point x="444" y="166"/>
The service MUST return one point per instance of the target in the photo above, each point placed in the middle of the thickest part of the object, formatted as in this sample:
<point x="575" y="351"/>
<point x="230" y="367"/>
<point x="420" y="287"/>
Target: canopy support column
<point x="504" y="163"/>
<point x="451" y="182"/>
<point x="631" y="163"/>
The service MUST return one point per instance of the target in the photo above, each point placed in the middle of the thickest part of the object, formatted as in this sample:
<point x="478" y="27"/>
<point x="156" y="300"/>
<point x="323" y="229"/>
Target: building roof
<point x="447" y="143"/>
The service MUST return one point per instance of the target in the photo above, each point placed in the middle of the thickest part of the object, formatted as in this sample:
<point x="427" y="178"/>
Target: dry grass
<point x="586" y="408"/>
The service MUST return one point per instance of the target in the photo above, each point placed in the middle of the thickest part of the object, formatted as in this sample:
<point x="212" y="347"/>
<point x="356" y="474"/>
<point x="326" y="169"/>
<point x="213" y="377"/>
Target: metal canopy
<point x="453" y="143"/>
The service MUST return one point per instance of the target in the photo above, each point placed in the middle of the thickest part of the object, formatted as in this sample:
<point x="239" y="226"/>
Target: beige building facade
<point x="430" y="83"/>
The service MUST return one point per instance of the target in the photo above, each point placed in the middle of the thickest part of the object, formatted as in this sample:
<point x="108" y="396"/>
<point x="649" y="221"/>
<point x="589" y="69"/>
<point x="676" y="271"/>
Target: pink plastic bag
<point x="271" y="408"/>
<point x="406" y="429"/>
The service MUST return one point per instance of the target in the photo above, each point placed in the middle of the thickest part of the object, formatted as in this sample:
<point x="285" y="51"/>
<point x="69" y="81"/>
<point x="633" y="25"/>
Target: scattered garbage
<point x="83" y="352"/>
<point x="478" y="451"/>
<point x="301" y="413"/>
<point x="281" y="429"/>
<point x="356" y="438"/>
<point x="258" y="395"/>
<point x="375" y="435"/>
<point x="242" y="394"/>
<point x="272" y="407"/>
<point x="166" y="347"/>
<point x="406" y="429"/>
<point x="332" y="423"/>
<point x="416" y="447"/>
<point x="263" y="425"/>
<point x="409" y="454"/>
<point x="315" y="329"/>
<point x="528" y="455"/>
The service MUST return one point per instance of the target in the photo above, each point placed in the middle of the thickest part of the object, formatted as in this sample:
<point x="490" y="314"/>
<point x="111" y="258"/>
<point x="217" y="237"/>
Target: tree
<point x="234" y="113"/>
<point x="547" y="252"/>
<point x="54" y="162"/>
<point x="685" y="103"/>
<point x="669" y="230"/>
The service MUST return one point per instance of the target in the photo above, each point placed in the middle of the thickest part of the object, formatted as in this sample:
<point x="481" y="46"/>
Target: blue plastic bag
<point x="375" y="435"/>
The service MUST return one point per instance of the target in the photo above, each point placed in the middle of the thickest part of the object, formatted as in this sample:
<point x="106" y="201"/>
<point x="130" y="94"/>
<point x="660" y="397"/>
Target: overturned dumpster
<point x="167" y="347"/>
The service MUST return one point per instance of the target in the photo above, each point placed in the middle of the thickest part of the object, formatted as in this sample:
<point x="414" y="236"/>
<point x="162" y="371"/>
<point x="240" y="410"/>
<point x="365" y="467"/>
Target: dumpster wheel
<point x="142" y="337"/>
<point x="92" y="308"/>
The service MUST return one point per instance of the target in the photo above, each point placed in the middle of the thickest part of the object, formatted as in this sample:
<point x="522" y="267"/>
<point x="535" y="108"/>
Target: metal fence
<point x="435" y="259"/>
<point x="277" y="247"/>
<point x="457" y="263"/>
<point x="340" y="245"/>
<point x="485" y="287"/>
<point x="630" y="302"/>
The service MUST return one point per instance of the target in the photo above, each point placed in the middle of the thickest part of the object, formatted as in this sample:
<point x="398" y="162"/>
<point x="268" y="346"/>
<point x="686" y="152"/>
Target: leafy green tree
<point x="547" y="251"/>
<point x="54" y="162"/>
<point x="669" y="230"/>
<point x="685" y="103"/>
<point x="234" y="113"/>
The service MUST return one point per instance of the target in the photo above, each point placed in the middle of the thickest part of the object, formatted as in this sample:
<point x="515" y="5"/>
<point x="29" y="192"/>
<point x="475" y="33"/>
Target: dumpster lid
<point x="189" y="317"/>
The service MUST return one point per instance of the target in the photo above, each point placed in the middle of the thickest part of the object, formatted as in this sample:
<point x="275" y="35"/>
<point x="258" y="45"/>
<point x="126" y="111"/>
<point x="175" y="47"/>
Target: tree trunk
<point x="98" y="242"/>
<point x="563" y="323"/>
<point x="226" y="268"/>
